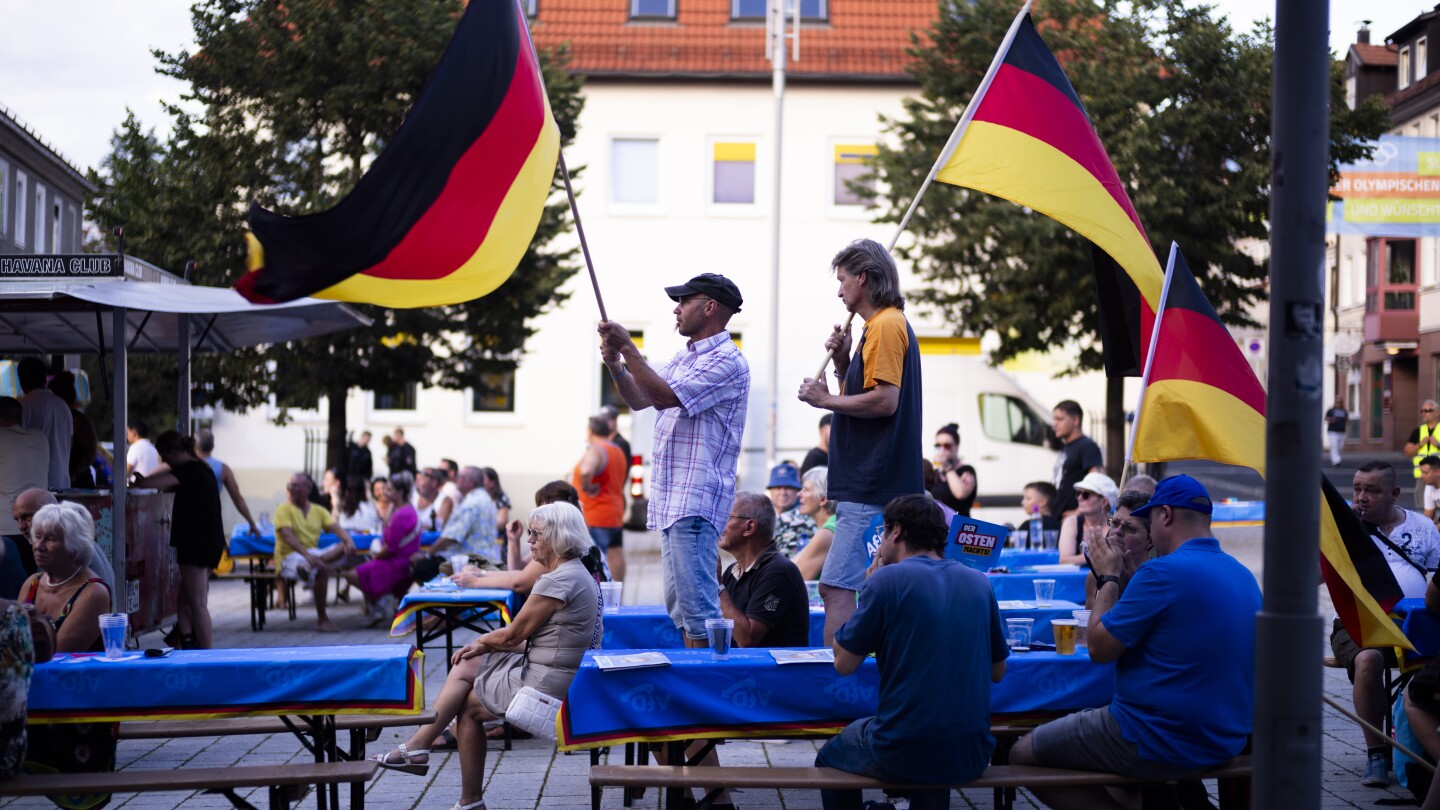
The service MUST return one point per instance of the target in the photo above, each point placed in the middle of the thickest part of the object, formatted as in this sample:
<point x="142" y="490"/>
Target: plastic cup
<point x="1017" y="634"/>
<point x="1044" y="592"/>
<point x="458" y="562"/>
<point x="610" y="594"/>
<point x="112" y="632"/>
<point x="719" y="631"/>
<point x="812" y="587"/>
<point x="1066" y="631"/>
<point x="1082" y="618"/>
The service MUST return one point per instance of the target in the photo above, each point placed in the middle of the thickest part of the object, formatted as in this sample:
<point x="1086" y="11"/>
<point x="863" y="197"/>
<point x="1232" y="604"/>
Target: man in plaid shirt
<point x="701" y="396"/>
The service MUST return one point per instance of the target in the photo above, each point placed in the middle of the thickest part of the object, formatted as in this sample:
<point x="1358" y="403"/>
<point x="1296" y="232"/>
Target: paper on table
<point x="1055" y="568"/>
<point x="635" y="661"/>
<point x="441" y="583"/>
<point x="1014" y="604"/>
<point x="821" y="656"/>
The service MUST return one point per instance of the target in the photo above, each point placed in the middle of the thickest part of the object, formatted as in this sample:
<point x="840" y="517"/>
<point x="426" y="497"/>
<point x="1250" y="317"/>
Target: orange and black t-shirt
<point x="875" y="460"/>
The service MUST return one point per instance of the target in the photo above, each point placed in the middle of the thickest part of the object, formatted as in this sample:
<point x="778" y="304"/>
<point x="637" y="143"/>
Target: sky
<point x="71" y="68"/>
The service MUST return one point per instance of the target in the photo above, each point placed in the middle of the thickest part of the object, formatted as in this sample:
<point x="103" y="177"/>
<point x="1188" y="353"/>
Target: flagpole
<point x="580" y="230"/>
<point x="950" y="145"/>
<point x="1149" y="364"/>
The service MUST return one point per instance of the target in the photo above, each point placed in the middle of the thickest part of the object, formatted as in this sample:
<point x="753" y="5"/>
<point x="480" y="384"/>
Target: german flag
<point x="1203" y="400"/>
<point x="1030" y="141"/>
<point x="447" y="210"/>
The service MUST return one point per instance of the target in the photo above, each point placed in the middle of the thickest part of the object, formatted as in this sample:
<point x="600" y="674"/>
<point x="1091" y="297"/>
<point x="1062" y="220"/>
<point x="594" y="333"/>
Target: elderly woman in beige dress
<point x="541" y="648"/>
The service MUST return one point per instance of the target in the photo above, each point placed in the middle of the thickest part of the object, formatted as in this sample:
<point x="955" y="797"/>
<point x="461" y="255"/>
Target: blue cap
<point x="1181" y="492"/>
<point x="784" y="475"/>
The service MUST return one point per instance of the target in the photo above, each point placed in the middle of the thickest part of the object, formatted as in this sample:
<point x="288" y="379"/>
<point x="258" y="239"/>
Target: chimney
<point x="1362" y="36"/>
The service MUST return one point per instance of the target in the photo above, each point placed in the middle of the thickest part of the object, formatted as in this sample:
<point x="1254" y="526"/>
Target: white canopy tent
<point x="150" y="317"/>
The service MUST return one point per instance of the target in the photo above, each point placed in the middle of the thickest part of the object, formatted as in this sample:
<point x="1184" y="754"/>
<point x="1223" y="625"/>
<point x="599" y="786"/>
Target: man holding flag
<point x="1411" y="546"/>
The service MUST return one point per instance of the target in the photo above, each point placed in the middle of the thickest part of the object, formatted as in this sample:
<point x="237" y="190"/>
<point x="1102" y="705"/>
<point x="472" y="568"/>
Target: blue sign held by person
<point x="975" y="543"/>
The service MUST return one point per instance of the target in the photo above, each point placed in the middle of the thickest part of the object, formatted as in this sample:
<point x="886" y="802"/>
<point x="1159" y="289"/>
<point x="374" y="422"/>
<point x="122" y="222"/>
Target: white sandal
<point x="406" y="763"/>
<point x="480" y="805"/>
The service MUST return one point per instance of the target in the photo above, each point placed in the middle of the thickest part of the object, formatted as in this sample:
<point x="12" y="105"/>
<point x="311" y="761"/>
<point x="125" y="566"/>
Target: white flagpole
<point x="1149" y="364"/>
<point x="950" y="145"/>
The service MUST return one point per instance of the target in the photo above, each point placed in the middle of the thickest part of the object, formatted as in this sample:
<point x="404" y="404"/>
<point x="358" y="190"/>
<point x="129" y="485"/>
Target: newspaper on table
<point x="632" y="661"/>
<point x="820" y="656"/>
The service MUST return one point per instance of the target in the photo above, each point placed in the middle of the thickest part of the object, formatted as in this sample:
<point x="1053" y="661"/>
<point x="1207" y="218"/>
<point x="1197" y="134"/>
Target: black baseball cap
<point x="714" y="285"/>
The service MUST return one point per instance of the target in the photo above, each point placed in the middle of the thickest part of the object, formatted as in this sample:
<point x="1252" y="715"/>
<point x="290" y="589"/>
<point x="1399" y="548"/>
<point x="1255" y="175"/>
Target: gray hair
<point x="75" y="526"/>
<point x="820" y="477"/>
<point x="882" y="279"/>
<point x="758" y="507"/>
<point x="562" y="530"/>
<point x="1140" y="483"/>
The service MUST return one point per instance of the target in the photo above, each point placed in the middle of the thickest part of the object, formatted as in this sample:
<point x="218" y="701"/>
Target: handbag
<point x="533" y="711"/>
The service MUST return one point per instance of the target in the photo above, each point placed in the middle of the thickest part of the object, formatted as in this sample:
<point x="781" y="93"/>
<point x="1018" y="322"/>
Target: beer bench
<point x="363" y="728"/>
<point x="1233" y="776"/>
<point x="260" y="582"/>
<point x="223" y="781"/>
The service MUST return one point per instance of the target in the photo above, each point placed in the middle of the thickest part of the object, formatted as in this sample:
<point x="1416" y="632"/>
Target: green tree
<point x="294" y="99"/>
<point x="1181" y="103"/>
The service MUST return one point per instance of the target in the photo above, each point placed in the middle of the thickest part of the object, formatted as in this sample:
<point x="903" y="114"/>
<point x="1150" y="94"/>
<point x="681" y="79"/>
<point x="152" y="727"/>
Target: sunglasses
<point x="1081" y="494"/>
<point x="1123" y="527"/>
<point x="944" y="446"/>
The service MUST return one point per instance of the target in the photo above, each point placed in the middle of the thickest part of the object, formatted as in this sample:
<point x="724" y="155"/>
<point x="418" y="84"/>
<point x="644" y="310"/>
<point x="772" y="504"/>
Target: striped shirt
<point x="697" y="444"/>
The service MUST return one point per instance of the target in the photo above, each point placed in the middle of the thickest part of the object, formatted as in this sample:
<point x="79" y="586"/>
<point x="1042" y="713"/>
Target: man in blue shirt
<point x="933" y="721"/>
<point x="1183" y="641"/>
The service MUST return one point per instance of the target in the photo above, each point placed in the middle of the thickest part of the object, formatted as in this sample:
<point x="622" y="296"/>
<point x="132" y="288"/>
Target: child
<point x="1039" y="494"/>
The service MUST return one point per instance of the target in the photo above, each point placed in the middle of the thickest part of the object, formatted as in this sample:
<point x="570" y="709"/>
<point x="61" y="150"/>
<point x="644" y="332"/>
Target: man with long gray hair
<point x="875" y="435"/>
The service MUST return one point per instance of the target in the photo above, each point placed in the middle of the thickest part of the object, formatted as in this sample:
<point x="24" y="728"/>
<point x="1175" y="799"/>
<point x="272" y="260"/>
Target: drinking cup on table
<point x="1082" y="618"/>
<point x="719" y="631"/>
<point x="1017" y="634"/>
<point x="1044" y="592"/>
<point x="1065" y="632"/>
<point x="458" y="562"/>
<point x="610" y="595"/>
<point x="112" y="632"/>
<point x="812" y="587"/>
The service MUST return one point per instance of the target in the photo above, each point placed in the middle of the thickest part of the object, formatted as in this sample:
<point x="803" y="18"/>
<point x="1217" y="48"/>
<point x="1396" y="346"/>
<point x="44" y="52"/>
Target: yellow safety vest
<point x="1425" y="432"/>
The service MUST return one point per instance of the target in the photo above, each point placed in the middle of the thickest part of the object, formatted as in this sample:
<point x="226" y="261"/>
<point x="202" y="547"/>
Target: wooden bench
<point x="363" y="728"/>
<point x="260" y="582"/>
<point x="1234" y="779"/>
<point x="223" y="781"/>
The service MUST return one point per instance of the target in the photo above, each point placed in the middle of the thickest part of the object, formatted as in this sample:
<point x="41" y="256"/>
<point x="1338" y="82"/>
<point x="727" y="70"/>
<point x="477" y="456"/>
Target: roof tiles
<point x="862" y="38"/>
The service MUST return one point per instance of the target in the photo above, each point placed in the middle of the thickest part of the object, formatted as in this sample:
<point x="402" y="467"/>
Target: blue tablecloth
<point x="750" y="695"/>
<point x="1422" y="628"/>
<point x="201" y="684"/>
<point x="649" y="627"/>
<point x="244" y="544"/>
<point x="416" y="601"/>
<point x="1017" y="557"/>
<point x="1069" y="585"/>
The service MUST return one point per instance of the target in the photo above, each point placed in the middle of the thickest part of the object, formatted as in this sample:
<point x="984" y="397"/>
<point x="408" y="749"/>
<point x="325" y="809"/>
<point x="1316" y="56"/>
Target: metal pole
<point x="777" y="81"/>
<point x="1288" y="629"/>
<point x="182" y="385"/>
<point x="118" y="486"/>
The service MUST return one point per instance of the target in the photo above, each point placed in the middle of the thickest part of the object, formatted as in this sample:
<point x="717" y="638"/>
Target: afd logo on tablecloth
<point x="850" y="691"/>
<point x="646" y="698"/>
<point x="747" y="694"/>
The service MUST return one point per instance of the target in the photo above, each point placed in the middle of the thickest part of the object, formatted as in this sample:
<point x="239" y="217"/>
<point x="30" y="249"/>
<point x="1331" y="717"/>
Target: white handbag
<point x="533" y="711"/>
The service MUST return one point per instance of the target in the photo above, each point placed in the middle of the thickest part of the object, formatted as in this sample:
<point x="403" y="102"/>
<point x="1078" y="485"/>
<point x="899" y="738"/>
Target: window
<point x="73" y="241"/>
<point x="1422" y="65"/>
<point x="1377" y="401"/>
<point x="22" y="201"/>
<point x="39" y="218"/>
<point x="530" y="8"/>
<point x="55" y="229"/>
<point x="635" y="170"/>
<point x="1404" y="68"/>
<point x="496" y="393"/>
<point x="4" y="197"/>
<point x="1390" y="275"/>
<point x="398" y="397"/>
<point x="654" y="9"/>
<point x="734" y="173"/>
<point x="1007" y="419"/>
<point x="854" y="180"/>
<point x="760" y="9"/>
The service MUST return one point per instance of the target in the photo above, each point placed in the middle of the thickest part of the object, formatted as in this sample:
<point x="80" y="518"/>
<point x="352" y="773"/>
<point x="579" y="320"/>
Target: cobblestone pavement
<point x="533" y="775"/>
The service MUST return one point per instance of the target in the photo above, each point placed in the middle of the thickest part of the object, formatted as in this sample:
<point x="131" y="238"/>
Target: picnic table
<point x="749" y="695"/>
<point x="478" y="609"/>
<point x="262" y="546"/>
<point x="313" y="684"/>
<point x="649" y="627"/>
<point x="1018" y="585"/>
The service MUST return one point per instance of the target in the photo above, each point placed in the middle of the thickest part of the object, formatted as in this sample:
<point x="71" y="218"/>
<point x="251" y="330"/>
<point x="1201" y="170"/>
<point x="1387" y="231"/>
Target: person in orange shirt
<point x="599" y="477"/>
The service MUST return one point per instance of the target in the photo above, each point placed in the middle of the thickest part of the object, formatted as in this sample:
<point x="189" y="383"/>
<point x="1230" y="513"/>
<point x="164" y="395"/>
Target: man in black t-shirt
<point x="1080" y="457"/>
<point x="819" y="455"/>
<point x="763" y="592"/>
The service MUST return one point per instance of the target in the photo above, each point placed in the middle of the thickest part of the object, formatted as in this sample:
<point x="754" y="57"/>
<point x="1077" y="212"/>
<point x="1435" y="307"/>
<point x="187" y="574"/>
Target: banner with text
<point x="1394" y="193"/>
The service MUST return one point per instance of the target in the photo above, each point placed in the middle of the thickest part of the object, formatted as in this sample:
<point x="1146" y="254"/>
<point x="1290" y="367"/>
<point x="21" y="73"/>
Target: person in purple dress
<point x="386" y="576"/>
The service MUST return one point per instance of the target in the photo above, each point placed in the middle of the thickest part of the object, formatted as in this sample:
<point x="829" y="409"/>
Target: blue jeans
<point x="848" y="559"/>
<point x="689" y="556"/>
<point x="852" y="751"/>
<point x="604" y="538"/>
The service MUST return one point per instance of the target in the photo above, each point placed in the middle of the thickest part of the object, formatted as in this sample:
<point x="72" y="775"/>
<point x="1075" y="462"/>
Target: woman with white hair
<point x="66" y="590"/>
<point x="810" y="558"/>
<point x="541" y="648"/>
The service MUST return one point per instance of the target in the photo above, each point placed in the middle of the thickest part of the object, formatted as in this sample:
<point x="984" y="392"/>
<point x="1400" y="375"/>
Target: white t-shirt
<point x="51" y="416"/>
<point x="364" y="521"/>
<point x="24" y="464"/>
<point x="1417" y="537"/>
<point x="1432" y="494"/>
<point x="143" y="457"/>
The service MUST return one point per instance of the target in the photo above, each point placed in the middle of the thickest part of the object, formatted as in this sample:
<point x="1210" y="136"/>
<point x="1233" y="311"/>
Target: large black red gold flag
<point x="447" y="210"/>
